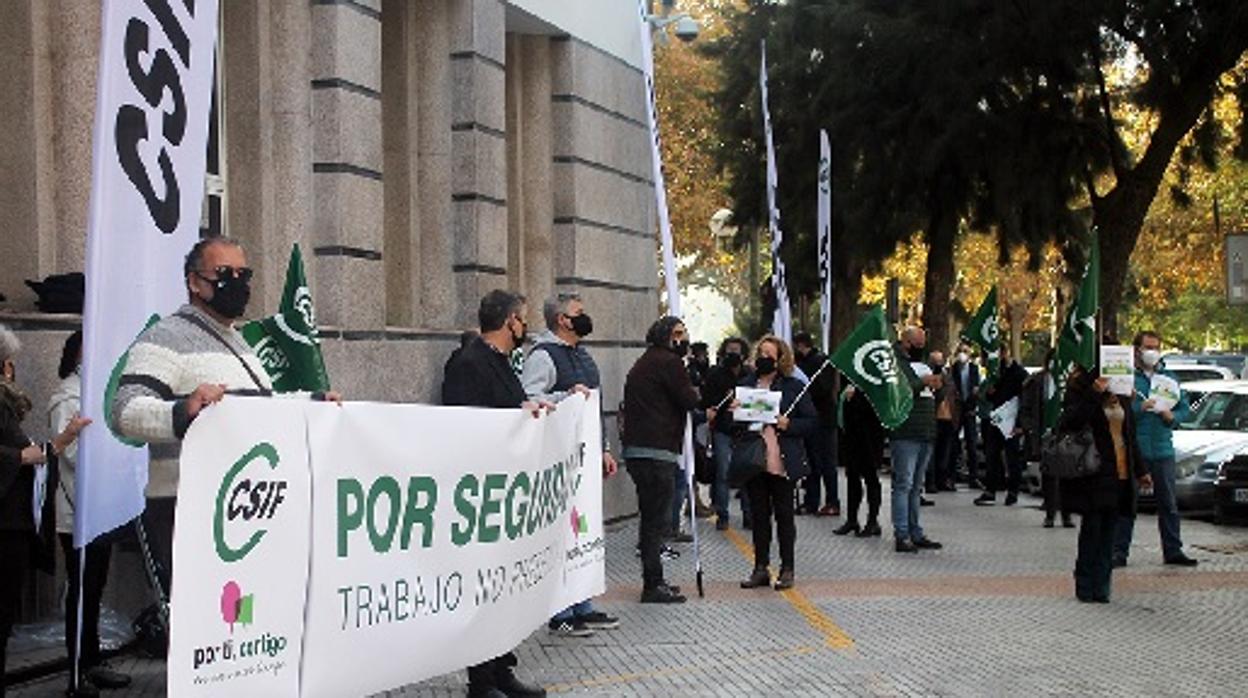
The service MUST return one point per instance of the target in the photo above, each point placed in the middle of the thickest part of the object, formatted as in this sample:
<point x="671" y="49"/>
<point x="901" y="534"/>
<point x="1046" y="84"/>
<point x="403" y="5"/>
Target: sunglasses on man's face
<point x="241" y="273"/>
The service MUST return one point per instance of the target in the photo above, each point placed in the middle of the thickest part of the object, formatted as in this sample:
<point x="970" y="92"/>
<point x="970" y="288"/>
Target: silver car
<point x="1216" y="433"/>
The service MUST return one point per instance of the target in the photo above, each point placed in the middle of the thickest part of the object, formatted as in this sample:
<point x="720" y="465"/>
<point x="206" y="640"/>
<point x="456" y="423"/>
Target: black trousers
<point x="15" y="559"/>
<point x="1002" y="454"/>
<point x="862" y="467"/>
<point x="158" y="525"/>
<point x="485" y="675"/>
<point x="1051" y="487"/>
<point x="943" y="461"/>
<point x="94" y="576"/>
<point x="772" y="495"/>
<point x="970" y="438"/>
<point x="655" y="483"/>
<point x="1094" y="565"/>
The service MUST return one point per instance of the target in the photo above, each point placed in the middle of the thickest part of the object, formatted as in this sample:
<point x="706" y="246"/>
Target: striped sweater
<point x="167" y="362"/>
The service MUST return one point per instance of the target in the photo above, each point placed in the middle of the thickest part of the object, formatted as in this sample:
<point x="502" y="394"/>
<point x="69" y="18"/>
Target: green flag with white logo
<point x="867" y="359"/>
<point x="286" y="342"/>
<point x="1077" y="343"/>
<point x="984" y="331"/>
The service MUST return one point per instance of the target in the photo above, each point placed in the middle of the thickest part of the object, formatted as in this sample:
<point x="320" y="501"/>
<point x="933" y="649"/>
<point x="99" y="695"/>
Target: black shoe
<point x="758" y="578"/>
<point x="1119" y="561"/>
<point x="486" y="692"/>
<point x="872" y="529"/>
<point x="573" y="627"/>
<point x="513" y="687"/>
<point x="667" y="553"/>
<point x="925" y="502"/>
<point x="785" y="580"/>
<point x="106" y="677"/>
<point x="1182" y="560"/>
<point x="1048" y="522"/>
<point x="683" y="537"/>
<point x="985" y="500"/>
<point x="721" y="524"/>
<point x="905" y="546"/>
<point x="597" y="620"/>
<point x="661" y="594"/>
<point x="1011" y="499"/>
<point x="846" y="528"/>
<point x="926" y="543"/>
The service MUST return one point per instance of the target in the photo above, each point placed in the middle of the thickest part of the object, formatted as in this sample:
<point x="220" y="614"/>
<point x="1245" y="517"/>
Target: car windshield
<point x="1221" y="412"/>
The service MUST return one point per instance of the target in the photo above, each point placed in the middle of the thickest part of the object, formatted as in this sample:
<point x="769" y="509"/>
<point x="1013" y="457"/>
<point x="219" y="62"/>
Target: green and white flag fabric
<point x="868" y="360"/>
<point x="1077" y="344"/>
<point x="984" y="331"/>
<point x="286" y="342"/>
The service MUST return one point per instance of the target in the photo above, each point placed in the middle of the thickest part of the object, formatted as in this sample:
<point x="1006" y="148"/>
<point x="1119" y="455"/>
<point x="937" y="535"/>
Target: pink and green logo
<point x="580" y="522"/>
<point x="236" y="608"/>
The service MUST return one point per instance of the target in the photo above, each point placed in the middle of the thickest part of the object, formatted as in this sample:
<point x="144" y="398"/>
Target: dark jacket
<point x="920" y="425"/>
<point x="17" y="483"/>
<point x="803" y="421"/>
<point x="862" y="435"/>
<point x="1084" y="408"/>
<point x="657" y="397"/>
<point x="823" y="389"/>
<point x="1031" y="413"/>
<point x="1008" y="385"/>
<point x="480" y="376"/>
<point x="720" y="382"/>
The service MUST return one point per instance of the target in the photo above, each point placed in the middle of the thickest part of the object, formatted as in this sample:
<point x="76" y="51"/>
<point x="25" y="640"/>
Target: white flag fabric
<point x="344" y="551"/>
<point x="825" y="239"/>
<point x="782" y="321"/>
<point x="660" y="185"/>
<point x="147" y="186"/>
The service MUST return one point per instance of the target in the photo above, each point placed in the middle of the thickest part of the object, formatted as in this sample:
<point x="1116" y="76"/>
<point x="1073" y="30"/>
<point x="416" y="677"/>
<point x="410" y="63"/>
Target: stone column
<point x="478" y="152"/>
<point x="530" y="132"/>
<point x="347" y="162"/>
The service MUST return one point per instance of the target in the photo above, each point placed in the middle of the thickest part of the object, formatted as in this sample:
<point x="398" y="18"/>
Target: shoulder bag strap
<point x="198" y="322"/>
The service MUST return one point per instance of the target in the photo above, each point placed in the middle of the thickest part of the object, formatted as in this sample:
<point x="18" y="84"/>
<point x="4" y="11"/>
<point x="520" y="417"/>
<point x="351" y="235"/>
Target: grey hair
<point x="9" y="344"/>
<point x="555" y="306"/>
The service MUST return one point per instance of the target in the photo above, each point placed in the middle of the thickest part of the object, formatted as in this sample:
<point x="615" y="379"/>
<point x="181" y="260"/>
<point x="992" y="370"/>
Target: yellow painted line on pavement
<point x="833" y="635"/>
<point x="618" y="679"/>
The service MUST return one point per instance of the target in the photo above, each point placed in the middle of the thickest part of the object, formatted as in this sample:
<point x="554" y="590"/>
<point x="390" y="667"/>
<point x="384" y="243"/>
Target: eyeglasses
<point x="241" y="273"/>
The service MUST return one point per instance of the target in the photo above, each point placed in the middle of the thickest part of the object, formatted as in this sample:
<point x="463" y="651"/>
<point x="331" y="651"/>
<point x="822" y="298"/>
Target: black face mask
<point x="582" y="325"/>
<point x="230" y="295"/>
<point x="915" y="353"/>
<point x="731" y="360"/>
<point x="765" y="365"/>
<point x="681" y="348"/>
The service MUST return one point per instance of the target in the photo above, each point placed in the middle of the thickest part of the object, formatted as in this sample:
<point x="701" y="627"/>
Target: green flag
<point x="984" y="331"/>
<point x="868" y="360"/>
<point x="1077" y="343"/>
<point x="286" y="342"/>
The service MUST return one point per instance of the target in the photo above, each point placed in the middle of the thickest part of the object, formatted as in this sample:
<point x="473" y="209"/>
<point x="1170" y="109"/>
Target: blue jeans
<point x="721" y="451"/>
<point x="1162" y="471"/>
<point x="581" y="609"/>
<point x="909" y="459"/>
<point x="822" y="471"/>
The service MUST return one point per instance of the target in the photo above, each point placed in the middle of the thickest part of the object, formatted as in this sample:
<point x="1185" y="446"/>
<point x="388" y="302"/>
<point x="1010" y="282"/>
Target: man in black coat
<point x="658" y="397"/>
<point x="965" y="373"/>
<point x="820" y="446"/>
<point x="1003" y="451"/>
<point x="480" y="375"/>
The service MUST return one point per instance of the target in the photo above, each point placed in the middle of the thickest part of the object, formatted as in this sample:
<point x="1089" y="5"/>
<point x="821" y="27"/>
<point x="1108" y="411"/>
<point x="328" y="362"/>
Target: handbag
<point x="1070" y="455"/>
<point x="749" y="458"/>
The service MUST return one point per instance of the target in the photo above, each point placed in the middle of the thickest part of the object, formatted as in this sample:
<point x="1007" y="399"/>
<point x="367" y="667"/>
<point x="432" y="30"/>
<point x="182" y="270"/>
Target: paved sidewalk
<point x="992" y="614"/>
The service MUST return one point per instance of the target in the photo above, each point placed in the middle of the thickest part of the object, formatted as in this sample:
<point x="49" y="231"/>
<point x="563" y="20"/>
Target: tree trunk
<point x="847" y="285"/>
<point x="942" y="231"/>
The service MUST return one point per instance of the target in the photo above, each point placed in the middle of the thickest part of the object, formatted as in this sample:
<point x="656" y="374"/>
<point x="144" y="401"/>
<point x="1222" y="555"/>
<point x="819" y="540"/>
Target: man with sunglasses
<point x="559" y="366"/>
<point x="179" y="366"/>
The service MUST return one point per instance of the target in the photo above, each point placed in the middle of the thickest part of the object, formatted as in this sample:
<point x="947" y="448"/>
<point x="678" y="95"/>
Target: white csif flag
<point x="825" y="239"/>
<point x="782" y="321"/>
<point x="147" y="187"/>
<point x="660" y="184"/>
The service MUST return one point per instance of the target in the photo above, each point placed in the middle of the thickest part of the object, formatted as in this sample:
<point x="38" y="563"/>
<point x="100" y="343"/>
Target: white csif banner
<point x="147" y="187"/>
<point x="331" y="551"/>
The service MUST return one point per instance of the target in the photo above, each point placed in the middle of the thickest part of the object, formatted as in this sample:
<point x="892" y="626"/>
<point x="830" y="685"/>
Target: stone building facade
<point x="421" y="153"/>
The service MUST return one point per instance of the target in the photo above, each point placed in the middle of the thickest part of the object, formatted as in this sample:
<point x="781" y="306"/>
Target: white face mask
<point x="1149" y="357"/>
<point x="964" y="357"/>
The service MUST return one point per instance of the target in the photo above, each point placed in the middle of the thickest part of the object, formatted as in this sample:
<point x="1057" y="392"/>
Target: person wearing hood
<point x="1155" y="429"/>
<point x="24" y="543"/>
<point x="87" y="668"/>
<point x="558" y="367"/>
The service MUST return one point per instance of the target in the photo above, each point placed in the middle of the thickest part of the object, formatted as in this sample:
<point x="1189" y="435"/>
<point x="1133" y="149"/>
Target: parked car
<point x="1188" y="372"/>
<point x="1231" y="492"/>
<point x="1216" y="434"/>
<point x="1237" y="364"/>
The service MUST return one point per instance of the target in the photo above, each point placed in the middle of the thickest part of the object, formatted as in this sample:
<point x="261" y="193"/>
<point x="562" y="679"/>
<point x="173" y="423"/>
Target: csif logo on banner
<point x="245" y="501"/>
<point x="154" y="73"/>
